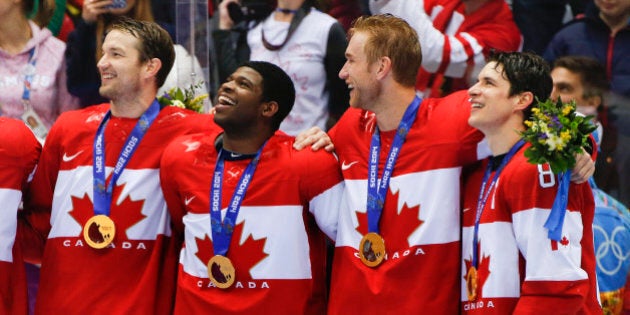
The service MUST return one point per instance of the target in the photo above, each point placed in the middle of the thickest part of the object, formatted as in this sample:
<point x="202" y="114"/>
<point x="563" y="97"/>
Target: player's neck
<point x="244" y="144"/>
<point x="501" y="140"/>
<point x="391" y="107"/>
<point x="133" y="106"/>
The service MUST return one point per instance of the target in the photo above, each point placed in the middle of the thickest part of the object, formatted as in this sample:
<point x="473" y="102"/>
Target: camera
<point x="253" y="11"/>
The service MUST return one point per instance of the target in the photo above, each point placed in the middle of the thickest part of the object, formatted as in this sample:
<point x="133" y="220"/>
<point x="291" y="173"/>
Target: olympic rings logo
<point x="609" y="244"/>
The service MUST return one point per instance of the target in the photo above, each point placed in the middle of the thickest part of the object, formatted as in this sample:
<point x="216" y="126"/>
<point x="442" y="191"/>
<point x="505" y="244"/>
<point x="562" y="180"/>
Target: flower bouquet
<point x="557" y="133"/>
<point x="184" y="98"/>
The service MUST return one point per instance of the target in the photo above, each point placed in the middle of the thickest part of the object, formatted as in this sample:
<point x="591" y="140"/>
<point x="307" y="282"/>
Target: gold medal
<point x="471" y="284"/>
<point x="221" y="271"/>
<point x="99" y="231"/>
<point x="372" y="249"/>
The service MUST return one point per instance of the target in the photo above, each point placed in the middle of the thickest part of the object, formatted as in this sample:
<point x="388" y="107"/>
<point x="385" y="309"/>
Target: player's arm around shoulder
<point x="177" y="156"/>
<point x="321" y="186"/>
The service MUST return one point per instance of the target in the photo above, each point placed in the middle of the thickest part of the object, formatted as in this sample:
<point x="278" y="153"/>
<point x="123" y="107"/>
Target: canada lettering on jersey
<point x="475" y="305"/>
<point x="398" y="254"/>
<point x="134" y="245"/>
<point x="237" y="284"/>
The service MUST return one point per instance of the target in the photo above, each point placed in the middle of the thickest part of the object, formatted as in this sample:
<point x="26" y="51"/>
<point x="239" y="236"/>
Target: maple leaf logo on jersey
<point x="483" y="270"/>
<point x="125" y="215"/>
<point x="395" y="227"/>
<point x="244" y="257"/>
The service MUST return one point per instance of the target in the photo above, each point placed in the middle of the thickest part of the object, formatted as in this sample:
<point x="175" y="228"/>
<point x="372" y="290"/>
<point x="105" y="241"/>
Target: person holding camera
<point x="307" y="44"/>
<point x="85" y="44"/>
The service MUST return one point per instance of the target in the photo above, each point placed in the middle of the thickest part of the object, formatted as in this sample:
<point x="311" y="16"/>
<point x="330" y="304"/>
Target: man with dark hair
<point x="583" y="80"/>
<point x="250" y="208"/>
<point x="510" y="264"/>
<point x="96" y="196"/>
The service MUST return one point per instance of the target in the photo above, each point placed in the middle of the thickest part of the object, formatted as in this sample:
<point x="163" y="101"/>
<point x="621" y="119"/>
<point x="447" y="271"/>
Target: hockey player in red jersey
<point x="401" y="159"/>
<point x="510" y="263"/>
<point x="251" y="209"/>
<point x="19" y="151"/>
<point x="99" y="168"/>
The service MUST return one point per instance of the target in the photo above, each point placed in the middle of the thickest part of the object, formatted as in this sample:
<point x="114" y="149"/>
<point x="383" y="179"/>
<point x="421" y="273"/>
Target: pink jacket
<point x="48" y="95"/>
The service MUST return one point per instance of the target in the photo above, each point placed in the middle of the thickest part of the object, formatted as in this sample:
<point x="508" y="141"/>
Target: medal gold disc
<point x="471" y="284"/>
<point x="99" y="231"/>
<point x="221" y="271"/>
<point x="372" y="249"/>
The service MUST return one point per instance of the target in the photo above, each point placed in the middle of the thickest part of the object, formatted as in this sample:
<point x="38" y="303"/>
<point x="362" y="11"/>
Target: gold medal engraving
<point x="99" y="231"/>
<point x="372" y="249"/>
<point x="471" y="284"/>
<point x="221" y="271"/>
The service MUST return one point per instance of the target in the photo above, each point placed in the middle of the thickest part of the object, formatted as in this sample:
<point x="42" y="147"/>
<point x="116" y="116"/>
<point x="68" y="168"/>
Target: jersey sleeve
<point x="321" y="186"/>
<point x="38" y="200"/>
<point x="556" y="273"/>
<point x="168" y="181"/>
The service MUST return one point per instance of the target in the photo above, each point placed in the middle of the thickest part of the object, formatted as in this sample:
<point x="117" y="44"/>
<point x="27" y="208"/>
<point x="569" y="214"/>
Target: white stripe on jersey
<point x="140" y="185"/>
<point x="501" y="244"/>
<point x="440" y="212"/>
<point x="286" y="242"/>
<point x="326" y="207"/>
<point x="544" y="264"/>
<point x="10" y="200"/>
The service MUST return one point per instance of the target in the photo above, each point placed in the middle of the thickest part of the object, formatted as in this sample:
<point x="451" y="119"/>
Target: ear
<point x="594" y="101"/>
<point x="269" y="109"/>
<point x="524" y="100"/>
<point x="384" y="67"/>
<point x="152" y="67"/>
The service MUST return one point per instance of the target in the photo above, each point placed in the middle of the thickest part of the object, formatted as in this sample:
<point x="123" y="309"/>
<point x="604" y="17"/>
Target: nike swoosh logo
<point x="466" y="209"/>
<point x="345" y="166"/>
<point x="67" y="158"/>
<point x="188" y="200"/>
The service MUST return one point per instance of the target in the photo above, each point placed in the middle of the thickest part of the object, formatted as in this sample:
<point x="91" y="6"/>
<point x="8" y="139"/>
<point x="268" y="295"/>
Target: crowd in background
<point x="49" y="51"/>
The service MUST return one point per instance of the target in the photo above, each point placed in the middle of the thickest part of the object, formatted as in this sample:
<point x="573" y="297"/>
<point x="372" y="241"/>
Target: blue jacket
<point x="590" y="36"/>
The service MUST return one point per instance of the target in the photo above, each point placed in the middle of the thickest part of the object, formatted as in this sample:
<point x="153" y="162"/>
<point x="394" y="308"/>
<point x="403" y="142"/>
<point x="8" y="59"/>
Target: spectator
<point x="19" y="151"/>
<point x="583" y="80"/>
<point x="84" y="49"/>
<point x="456" y="36"/>
<point x="32" y="75"/>
<point x="603" y="34"/>
<point x="509" y="263"/>
<point x="73" y="205"/>
<point x="306" y="43"/>
<point x="273" y="241"/>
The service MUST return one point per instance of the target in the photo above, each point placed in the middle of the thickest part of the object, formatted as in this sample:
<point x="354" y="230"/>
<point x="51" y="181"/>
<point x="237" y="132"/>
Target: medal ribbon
<point x="29" y="73"/>
<point x="376" y="193"/>
<point x="484" y="194"/>
<point x="558" y="209"/>
<point x="103" y="190"/>
<point x="222" y="230"/>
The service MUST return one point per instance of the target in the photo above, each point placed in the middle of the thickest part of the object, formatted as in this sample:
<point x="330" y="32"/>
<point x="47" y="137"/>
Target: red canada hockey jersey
<point x="277" y="248"/>
<point x="19" y="151"/>
<point x="420" y="222"/>
<point x="520" y="270"/>
<point x="136" y="273"/>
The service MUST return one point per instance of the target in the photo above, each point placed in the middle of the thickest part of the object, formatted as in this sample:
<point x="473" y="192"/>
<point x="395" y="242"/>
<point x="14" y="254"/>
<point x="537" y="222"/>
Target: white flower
<point x="178" y="103"/>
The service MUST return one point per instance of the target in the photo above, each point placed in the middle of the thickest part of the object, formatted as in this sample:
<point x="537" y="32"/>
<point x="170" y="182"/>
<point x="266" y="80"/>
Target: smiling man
<point x="96" y="193"/>
<point x="510" y="265"/>
<point x="250" y="208"/>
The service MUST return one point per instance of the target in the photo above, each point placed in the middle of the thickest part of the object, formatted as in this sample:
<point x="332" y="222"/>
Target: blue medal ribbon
<point x="222" y="229"/>
<point x="485" y="193"/>
<point x="555" y="219"/>
<point x="376" y="193"/>
<point x="29" y="73"/>
<point x="102" y="190"/>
